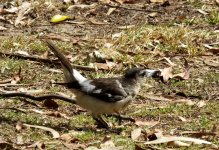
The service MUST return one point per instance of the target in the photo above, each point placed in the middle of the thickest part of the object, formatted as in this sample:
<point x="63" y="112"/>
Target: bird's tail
<point x="71" y="75"/>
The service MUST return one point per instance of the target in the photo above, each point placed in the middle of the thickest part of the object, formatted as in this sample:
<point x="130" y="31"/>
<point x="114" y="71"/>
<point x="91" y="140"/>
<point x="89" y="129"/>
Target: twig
<point x="38" y="98"/>
<point x="43" y="60"/>
<point x="11" y="84"/>
<point x="127" y="8"/>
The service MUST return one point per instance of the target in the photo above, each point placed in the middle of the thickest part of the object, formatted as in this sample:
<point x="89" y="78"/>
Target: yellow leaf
<point x="59" y="18"/>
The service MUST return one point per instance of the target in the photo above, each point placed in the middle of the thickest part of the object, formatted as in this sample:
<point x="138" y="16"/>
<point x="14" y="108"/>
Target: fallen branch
<point x="38" y="98"/>
<point x="43" y="60"/>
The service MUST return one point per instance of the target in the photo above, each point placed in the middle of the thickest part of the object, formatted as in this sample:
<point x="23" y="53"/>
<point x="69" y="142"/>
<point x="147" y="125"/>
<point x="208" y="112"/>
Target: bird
<point x="102" y="96"/>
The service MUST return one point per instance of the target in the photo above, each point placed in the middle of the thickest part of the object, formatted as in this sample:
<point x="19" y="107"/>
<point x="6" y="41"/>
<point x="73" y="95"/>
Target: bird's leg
<point x="100" y="121"/>
<point x="121" y="117"/>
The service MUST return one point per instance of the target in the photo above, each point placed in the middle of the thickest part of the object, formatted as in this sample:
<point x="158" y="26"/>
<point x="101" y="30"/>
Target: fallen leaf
<point x="186" y="101"/>
<point x="50" y="104"/>
<point x="182" y="118"/>
<point x="126" y="27"/>
<point x="19" y="140"/>
<point x="19" y="126"/>
<point x="54" y="132"/>
<point x="3" y="28"/>
<point x="117" y="35"/>
<point x="96" y="22"/>
<point x="108" y="145"/>
<point x="125" y="1"/>
<point x="184" y="75"/>
<point x="106" y="138"/>
<point x="75" y="146"/>
<point x="157" y="1"/>
<point x="17" y="77"/>
<point x="169" y="62"/>
<point x="66" y="137"/>
<point x="211" y="62"/>
<point x="178" y="138"/>
<point x="20" y="51"/>
<point x="202" y="12"/>
<point x="201" y="104"/>
<point x="59" y="18"/>
<point x="110" y="11"/>
<point x="178" y="144"/>
<point x="22" y="10"/>
<point x="153" y="14"/>
<point x="97" y="56"/>
<point x="157" y="98"/>
<point x="136" y="133"/>
<point x="105" y="66"/>
<point x="82" y="6"/>
<point x="146" y="123"/>
<point x="45" y="55"/>
<point x="57" y="114"/>
<point x="166" y="73"/>
<point x="38" y="144"/>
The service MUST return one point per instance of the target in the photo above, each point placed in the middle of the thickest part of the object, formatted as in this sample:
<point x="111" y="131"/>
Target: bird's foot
<point x="101" y="123"/>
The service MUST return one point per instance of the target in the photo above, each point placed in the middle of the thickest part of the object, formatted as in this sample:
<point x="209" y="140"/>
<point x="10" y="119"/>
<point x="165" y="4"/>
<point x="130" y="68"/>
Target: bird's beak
<point x="153" y="73"/>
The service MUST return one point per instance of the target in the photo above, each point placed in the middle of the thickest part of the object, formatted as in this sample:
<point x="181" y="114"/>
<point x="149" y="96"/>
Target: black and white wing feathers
<point x="106" y="89"/>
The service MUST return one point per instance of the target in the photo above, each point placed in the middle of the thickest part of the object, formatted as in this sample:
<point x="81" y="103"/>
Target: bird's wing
<point x="106" y="89"/>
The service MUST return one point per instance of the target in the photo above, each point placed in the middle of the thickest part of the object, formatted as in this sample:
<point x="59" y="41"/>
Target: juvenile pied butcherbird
<point x="102" y="95"/>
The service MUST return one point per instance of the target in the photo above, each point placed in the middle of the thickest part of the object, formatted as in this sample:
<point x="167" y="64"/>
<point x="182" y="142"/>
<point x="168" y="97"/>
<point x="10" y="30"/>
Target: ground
<point x="135" y="34"/>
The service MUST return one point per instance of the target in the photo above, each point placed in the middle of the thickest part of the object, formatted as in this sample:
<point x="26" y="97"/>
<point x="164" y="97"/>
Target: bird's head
<point x="138" y="73"/>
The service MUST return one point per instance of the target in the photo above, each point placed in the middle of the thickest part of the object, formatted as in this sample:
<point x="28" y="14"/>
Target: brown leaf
<point x="50" y="104"/>
<point x="105" y="66"/>
<point x="178" y="144"/>
<point x="182" y="118"/>
<point x="3" y="28"/>
<point x="106" y="138"/>
<point x="66" y="137"/>
<point x="23" y="9"/>
<point x="157" y="1"/>
<point x="125" y="1"/>
<point x="184" y="75"/>
<point x="19" y="140"/>
<point x="136" y="133"/>
<point x="201" y="104"/>
<point x="126" y="27"/>
<point x="110" y="11"/>
<point x="166" y="73"/>
<point x="75" y="146"/>
<point x="178" y="138"/>
<point x="211" y="62"/>
<point x="38" y="144"/>
<point x="202" y="11"/>
<point x="19" y="126"/>
<point x="146" y="123"/>
<point x="17" y="77"/>
<point x="57" y="114"/>
<point x="97" y="22"/>
<point x="169" y="62"/>
<point x="45" y="55"/>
